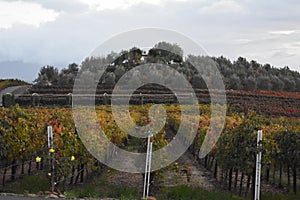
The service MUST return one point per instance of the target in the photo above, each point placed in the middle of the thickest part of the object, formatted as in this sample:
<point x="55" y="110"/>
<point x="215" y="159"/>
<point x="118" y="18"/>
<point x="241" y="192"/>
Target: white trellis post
<point x="147" y="168"/>
<point x="50" y="146"/>
<point x="50" y="137"/>
<point x="258" y="166"/>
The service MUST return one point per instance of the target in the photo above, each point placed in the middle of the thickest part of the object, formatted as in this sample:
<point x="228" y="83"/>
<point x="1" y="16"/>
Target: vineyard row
<point x="23" y="138"/>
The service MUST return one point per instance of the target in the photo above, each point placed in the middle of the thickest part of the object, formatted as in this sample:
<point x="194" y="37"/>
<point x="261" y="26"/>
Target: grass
<point x="97" y="188"/>
<point x="100" y="189"/>
<point x="280" y="197"/>
<point x="188" y="193"/>
<point x="4" y="83"/>
<point x="29" y="184"/>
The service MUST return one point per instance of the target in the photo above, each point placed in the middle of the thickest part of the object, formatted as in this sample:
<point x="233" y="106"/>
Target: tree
<point x="174" y="48"/>
<point x="165" y="53"/>
<point x="109" y="79"/>
<point x="255" y="66"/>
<point x="298" y="85"/>
<point x="67" y="76"/>
<point x="289" y="84"/>
<point x="277" y="84"/>
<point x="239" y="74"/>
<point x="47" y="76"/>
<point x="242" y="63"/>
<point x="263" y="83"/>
<point x="234" y="82"/>
<point x="198" y="82"/>
<point x="250" y="83"/>
<point x="119" y="72"/>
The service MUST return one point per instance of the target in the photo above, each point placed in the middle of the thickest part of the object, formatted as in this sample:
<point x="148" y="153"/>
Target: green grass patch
<point x="29" y="184"/>
<point x="187" y="193"/>
<point x="4" y="83"/>
<point x="101" y="189"/>
<point x="98" y="187"/>
<point x="280" y="196"/>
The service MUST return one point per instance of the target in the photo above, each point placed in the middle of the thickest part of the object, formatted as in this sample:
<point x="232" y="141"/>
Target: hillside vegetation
<point x="240" y="74"/>
<point x="4" y="83"/>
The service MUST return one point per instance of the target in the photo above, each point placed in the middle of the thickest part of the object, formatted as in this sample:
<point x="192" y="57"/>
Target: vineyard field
<point x="267" y="103"/>
<point x="23" y="138"/>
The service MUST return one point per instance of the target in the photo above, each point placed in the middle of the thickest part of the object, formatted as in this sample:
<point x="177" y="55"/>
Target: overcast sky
<point x="34" y="33"/>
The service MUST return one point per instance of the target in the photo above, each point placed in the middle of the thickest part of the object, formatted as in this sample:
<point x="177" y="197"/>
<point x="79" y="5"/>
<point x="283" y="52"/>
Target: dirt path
<point x="187" y="171"/>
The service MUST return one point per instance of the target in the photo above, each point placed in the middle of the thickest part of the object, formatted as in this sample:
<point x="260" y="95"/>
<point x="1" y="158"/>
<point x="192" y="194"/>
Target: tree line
<point x="240" y="74"/>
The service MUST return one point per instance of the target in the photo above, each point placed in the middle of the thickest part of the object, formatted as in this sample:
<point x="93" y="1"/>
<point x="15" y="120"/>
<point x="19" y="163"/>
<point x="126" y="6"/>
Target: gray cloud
<point x="62" y="5"/>
<point x="79" y="30"/>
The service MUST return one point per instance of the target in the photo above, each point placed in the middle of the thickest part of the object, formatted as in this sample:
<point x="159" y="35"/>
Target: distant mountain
<point x="19" y="70"/>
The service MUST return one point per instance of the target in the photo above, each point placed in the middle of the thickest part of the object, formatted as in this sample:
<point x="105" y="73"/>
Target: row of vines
<point x="233" y="158"/>
<point x="23" y="143"/>
<point x="24" y="146"/>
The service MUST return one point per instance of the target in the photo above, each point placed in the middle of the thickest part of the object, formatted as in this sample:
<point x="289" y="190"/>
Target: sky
<point x="35" y="33"/>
